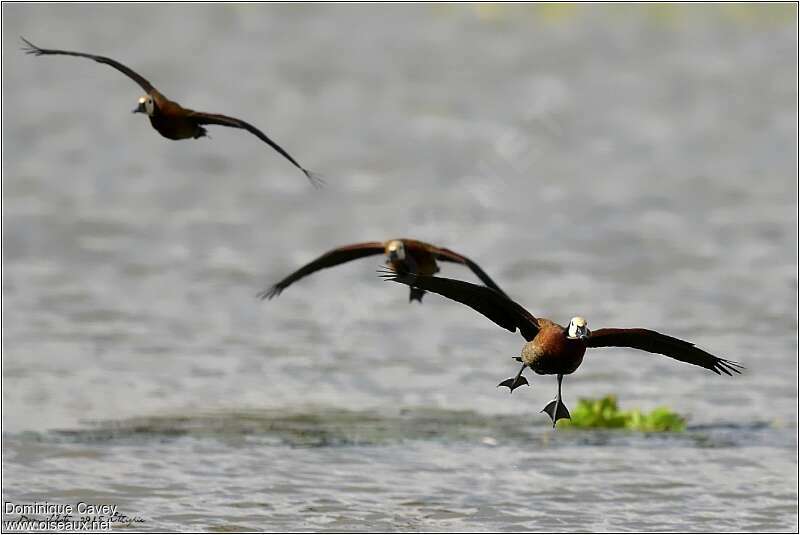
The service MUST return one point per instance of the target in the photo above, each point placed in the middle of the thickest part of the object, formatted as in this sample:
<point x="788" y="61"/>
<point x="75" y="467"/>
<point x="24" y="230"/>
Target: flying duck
<point x="169" y="118"/>
<point x="552" y="349"/>
<point x="404" y="255"/>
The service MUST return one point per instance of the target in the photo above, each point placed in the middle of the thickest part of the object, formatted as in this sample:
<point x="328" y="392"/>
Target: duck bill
<point x="583" y="334"/>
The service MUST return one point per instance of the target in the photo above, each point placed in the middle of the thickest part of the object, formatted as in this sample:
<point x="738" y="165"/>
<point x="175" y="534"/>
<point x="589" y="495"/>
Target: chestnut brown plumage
<point x="169" y="118"/>
<point x="404" y="255"/>
<point x="551" y="348"/>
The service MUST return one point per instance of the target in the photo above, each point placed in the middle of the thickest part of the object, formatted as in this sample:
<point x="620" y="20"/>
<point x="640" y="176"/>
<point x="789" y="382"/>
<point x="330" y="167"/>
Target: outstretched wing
<point x="30" y="48"/>
<point x="451" y="256"/>
<point x="489" y="302"/>
<point x="233" y="122"/>
<point x="329" y="259"/>
<point x="655" y="342"/>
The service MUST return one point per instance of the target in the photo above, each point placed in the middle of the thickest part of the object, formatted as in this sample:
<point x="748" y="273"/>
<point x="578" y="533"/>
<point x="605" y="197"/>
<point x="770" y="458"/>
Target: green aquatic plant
<point x="604" y="413"/>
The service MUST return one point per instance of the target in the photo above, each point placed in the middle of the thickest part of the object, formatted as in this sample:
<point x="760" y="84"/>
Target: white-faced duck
<point x="169" y="118"/>
<point x="552" y="349"/>
<point x="404" y="255"/>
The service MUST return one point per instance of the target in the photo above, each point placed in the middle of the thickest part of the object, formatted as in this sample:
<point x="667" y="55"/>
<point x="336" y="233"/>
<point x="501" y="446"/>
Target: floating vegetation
<point x="604" y="413"/>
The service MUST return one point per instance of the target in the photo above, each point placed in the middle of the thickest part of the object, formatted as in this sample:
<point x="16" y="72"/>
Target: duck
<point x="169" y="118"/>
<point x="552" y="349"/>
<point x="404" y="255"/>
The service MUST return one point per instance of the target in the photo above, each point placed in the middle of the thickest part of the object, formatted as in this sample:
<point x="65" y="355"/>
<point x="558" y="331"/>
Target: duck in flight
<point x="169" y="118"/>
<point x="552" y="349"/>
<point x="404" y="255"/>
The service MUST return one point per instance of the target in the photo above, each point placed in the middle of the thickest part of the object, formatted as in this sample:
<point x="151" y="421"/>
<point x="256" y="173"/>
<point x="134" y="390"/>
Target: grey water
<point x="636" y="165"/>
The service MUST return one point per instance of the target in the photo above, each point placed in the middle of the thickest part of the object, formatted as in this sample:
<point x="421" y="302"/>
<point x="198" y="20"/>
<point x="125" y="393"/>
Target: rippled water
<point x="635" y="165"/>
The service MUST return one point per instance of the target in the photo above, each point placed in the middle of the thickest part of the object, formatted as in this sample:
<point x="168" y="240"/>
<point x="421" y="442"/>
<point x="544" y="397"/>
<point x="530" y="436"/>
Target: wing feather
<point x="332" y="258"/>
<point x="494" y="305"/>
<point x="655" y="342"/>
<point x="448" y="255"/>
<point x="30" y="48"/>
<point x="233" y="122"/>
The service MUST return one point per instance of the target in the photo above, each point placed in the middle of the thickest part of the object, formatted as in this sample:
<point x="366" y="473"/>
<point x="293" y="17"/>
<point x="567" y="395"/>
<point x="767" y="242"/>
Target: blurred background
<point x="634" y="164"/>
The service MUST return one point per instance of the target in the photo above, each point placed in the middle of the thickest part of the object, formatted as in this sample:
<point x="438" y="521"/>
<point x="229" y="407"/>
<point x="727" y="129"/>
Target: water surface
<point x="634" y="165"/>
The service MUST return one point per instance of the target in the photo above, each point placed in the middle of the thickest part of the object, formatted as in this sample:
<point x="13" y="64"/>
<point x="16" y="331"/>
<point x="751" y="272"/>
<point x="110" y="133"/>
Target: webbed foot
<point x="415" y="295"/>
<point x="514" y="382"/>
<point x="556" y="410"/>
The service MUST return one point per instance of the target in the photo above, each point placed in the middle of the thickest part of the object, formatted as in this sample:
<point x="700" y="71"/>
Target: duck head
<point x="578" y="329"/>
<point x="146" y="105"/>
<point x="395" y="251"/>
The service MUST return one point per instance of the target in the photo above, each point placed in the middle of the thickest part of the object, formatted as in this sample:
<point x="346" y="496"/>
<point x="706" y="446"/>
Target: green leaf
<point x="604" y="413"/>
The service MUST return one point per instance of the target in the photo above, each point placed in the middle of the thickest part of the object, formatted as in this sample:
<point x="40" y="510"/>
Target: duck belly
<point x="551" y="352"/>
<point x="175" y="127"/>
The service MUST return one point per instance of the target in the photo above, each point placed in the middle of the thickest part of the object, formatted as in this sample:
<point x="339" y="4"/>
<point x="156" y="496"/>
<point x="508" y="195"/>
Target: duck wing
<point x="337" y="256"/>
<point x="447" y="255"/>
<point x="655" y="342"/>
<point x="30" y="48"/>
<point x="225" y="120"/>
<point x="489" y="302"/>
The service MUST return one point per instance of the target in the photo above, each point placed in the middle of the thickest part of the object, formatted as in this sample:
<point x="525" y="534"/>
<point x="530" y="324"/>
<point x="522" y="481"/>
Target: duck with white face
<point x="551" y="349"/>
<point x="399" y="258"/>
<point x="402" y="254"/>
<point x="417" y="258"/>
<point x="169" y="118"/>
